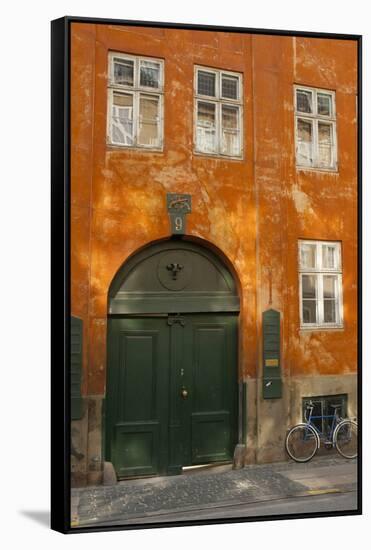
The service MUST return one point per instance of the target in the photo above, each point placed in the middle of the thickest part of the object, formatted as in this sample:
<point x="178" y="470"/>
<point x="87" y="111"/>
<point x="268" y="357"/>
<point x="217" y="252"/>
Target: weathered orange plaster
<point x="254" y="209"/>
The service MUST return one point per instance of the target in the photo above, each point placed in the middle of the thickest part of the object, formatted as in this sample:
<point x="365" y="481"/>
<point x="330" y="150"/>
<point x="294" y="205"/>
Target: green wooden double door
<point x="171" y="393"/>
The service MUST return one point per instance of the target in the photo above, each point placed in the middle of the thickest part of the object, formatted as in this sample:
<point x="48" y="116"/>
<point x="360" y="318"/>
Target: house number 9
<point x="178" y="223"/>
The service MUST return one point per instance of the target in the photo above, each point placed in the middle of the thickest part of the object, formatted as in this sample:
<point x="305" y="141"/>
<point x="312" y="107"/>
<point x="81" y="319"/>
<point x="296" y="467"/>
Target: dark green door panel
<point x="137" y="390"/>
<point x="136" y="449"/>
<point x="172" y="392"/>
<point x="210" y="374"/>
<point x="212" y="437"/>
<point x="214" y="404"/>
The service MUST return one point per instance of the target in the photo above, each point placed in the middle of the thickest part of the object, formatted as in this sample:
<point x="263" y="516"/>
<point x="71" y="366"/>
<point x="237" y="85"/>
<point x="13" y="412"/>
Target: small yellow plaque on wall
<point x="271" y="362"/>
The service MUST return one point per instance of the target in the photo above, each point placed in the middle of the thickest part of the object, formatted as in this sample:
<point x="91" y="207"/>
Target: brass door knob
<point x="184" y="393"/>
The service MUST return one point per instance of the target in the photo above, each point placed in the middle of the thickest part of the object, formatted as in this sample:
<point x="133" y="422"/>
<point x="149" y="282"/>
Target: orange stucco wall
<point x="254" y="209"/>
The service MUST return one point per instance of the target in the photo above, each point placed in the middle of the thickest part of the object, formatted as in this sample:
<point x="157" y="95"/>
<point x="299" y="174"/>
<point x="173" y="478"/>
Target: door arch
<point x="172" y="360"/>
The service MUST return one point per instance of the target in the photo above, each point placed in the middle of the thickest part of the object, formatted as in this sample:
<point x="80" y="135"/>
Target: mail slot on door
<point x="272" y="383"/>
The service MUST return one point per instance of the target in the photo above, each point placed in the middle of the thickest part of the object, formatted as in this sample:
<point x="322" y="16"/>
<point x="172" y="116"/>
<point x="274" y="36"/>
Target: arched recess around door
<point x="146" y="284"/>
<point x="172" y="388"/>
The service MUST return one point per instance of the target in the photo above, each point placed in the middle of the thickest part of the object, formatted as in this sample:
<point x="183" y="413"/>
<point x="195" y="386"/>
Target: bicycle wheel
<point x="301" y="442"/>
<point x="346" y="438"/>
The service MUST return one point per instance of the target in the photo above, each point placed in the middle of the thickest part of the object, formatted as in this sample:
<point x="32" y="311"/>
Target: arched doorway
<point x="172" y="390"/>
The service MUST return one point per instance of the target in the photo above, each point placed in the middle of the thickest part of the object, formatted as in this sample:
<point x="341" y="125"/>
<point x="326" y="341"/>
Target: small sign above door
<point x="178" y="205"/>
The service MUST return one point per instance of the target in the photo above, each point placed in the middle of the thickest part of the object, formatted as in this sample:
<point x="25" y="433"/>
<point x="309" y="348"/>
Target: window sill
<point x="135" y="148"/>
<point x="217" y="156"/>
<point x="315" y="169"/>
<point x="317" y="328"/>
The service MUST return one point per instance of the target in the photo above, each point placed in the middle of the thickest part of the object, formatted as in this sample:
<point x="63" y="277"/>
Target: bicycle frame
<point x="322" y="435"/>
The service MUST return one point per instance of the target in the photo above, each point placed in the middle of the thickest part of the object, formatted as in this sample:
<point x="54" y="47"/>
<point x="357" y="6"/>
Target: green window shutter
<point x="76" y="367"/>
<point x="272" y="383"/>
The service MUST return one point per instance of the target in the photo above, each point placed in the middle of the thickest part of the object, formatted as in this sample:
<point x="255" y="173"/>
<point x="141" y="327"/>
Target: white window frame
<point x="320" y="272"/>
<point x="315" y="119"/>
<point x="137" y="91"/>
<point x="219" y="101"/>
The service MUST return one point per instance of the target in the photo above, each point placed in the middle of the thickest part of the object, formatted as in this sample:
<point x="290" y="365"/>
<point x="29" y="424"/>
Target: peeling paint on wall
<point x="302" y="201"/>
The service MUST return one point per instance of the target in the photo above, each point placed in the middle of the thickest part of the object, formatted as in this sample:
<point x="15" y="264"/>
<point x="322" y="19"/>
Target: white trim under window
<point x="320" y="284"/>
<point x="218" y="112"/>
<point x="135" y="101"/>
<point x="315" y="128"/>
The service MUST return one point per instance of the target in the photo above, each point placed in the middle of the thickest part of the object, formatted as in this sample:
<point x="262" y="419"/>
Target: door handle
<point x="184" y="393"/>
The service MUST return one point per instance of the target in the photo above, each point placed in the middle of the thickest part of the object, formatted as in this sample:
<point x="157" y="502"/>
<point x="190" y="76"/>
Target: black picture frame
<point x="60" y="269"/>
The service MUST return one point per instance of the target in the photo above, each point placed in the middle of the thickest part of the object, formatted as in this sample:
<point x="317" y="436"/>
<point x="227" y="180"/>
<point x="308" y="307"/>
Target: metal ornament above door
<point x="175" y="270"/>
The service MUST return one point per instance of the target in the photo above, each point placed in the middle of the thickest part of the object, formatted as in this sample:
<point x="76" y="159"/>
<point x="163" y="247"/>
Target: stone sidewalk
<point x="209" y="489"/>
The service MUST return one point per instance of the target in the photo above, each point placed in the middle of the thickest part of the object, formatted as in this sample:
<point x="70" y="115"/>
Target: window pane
<point x="122" y="119"/>
<point x="304" y="101"/>
<point x="230" y="87"/>
<point x="329" y="311"/>
<point x="309" y="312"/>
<point x="325" y="144"/>
<point x="329" y="295"/>
<point x="230" y="130"/>
<point x="328" y="256"/>
<point x="329" y="286"/>
<point x="309" y="286"/>
<point x="206" y="134"/>
<point x="230" y="117"/>
<point x="149" y="74"/>
<point x="308" y="255"/>
<point x="335" y="400"/>
<point x="149" y="121"/>
<point x="206" y="114"/>
<point x="123" y="71"/>
<point x="304" y="142"/>
<point x="324" y="103"/>
<point x="206" y="83"/>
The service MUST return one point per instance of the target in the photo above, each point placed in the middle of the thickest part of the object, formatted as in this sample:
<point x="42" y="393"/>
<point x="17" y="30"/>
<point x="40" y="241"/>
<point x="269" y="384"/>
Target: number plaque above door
<point x="178" y="205"/>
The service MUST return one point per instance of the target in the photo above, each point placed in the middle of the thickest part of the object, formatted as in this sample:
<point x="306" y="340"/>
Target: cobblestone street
<point x="209" y="490"/>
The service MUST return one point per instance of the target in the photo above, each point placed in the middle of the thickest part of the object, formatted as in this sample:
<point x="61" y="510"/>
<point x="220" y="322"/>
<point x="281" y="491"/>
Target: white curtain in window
<point x="329" y="298"/>
<point x="206" y="127"/>
<point x="122" y="119"/>
<point x="149" y="120"/>
<point x="324" y="144"/>
<point x="304" y="142"/>
<point x="230" y="130"/>
<point x="309" y="298"/>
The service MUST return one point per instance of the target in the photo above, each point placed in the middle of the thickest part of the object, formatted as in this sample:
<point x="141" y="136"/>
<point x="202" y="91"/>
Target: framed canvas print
<point x="206" y="359"/>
